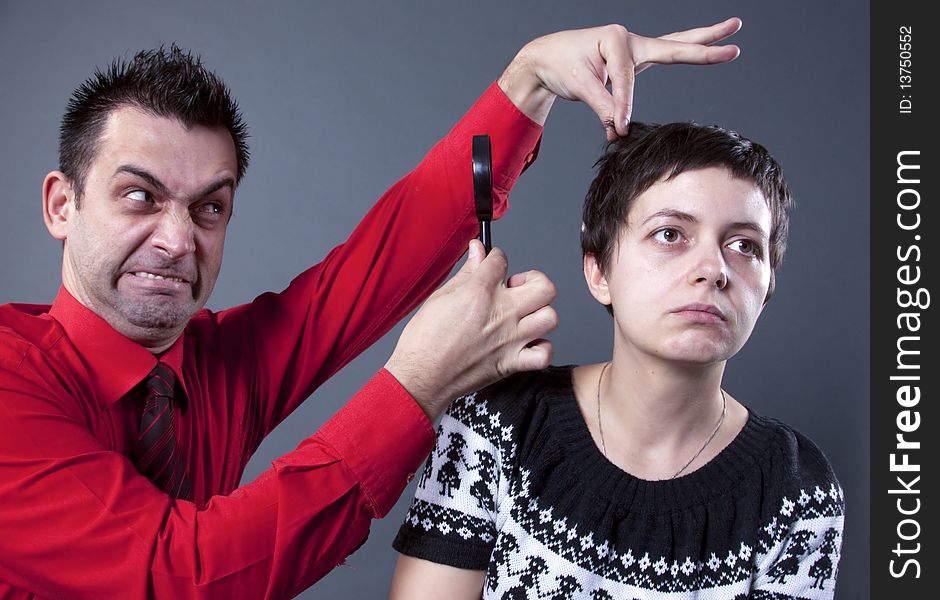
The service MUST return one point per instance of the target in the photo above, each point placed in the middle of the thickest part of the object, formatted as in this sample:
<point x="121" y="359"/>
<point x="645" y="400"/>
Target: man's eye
<point x="667" y="235"/>
<point x="212" y="208"/>
<point x="139" y="196"/>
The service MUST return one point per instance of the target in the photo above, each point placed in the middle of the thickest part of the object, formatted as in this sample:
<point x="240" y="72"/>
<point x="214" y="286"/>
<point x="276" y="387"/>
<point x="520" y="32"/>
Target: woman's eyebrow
<point x="751" y="226"/>
<point x="670" y="212"/>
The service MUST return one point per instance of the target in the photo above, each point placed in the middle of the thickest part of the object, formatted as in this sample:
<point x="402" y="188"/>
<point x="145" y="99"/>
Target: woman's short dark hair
<point x="166" y="82"/>
<point x="650" y="153"/>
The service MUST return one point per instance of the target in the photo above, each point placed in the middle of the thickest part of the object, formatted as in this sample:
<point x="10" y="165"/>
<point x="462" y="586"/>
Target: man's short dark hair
<point x="166" y="82"/>
<point x="650" y="153"/>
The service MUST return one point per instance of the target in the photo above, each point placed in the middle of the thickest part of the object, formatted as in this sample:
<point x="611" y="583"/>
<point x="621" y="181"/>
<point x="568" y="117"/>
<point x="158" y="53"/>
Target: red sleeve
<point x="400" y="252"/>
<point x="78" y="521"/>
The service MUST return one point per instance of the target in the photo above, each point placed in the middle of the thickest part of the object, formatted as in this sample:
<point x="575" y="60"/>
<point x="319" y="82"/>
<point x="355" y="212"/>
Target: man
<point x="128" y="412"/>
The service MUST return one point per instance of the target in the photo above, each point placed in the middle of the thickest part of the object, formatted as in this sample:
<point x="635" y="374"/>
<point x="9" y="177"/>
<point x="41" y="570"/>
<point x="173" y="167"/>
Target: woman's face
<point x="690" y="272"/>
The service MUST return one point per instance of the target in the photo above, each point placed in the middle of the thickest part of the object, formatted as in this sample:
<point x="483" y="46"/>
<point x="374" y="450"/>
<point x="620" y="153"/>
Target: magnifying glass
<point x="483" y="187"/>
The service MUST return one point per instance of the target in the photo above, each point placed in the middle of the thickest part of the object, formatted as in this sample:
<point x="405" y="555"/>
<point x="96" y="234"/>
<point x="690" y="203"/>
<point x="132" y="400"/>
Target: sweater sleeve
<point x="452" y="520"/>
<point x="799" y="549"/>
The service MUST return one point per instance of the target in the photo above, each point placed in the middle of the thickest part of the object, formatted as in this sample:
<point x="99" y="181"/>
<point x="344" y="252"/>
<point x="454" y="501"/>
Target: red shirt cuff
<point x="384" y="436"/>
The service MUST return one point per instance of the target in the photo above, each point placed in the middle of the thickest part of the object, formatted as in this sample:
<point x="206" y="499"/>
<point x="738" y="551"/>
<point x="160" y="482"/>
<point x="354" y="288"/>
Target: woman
<point x="640" y="477"/>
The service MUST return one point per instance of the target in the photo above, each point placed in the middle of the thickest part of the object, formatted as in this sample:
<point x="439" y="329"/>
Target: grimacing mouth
<point x="160" y="276"/>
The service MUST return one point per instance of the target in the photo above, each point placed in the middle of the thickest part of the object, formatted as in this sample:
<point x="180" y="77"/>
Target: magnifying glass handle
<point x="485" y="236"/>
<point x="483" y="187"/>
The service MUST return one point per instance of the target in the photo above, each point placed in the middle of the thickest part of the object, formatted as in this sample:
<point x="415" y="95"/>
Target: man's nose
<point x="175" y="232"/>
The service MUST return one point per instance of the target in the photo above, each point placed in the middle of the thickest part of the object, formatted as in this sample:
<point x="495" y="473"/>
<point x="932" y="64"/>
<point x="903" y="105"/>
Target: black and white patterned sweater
<point x="517" y="487"/>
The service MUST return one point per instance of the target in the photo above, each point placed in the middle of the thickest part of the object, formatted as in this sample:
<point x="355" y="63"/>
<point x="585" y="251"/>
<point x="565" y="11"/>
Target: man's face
<point x="145" y="247"/>
<point x="689" y="275"/>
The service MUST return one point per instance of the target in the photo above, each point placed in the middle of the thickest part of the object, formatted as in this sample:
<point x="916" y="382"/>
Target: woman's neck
<point x="660" y="403"/>
<point x="650" y="416"/>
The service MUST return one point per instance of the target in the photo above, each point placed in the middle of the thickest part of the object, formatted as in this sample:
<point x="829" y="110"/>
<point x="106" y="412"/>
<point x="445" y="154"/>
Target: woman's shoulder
<point x="552" y="379"/>
<point x="515" y="408"/>
<point x="797" y="467"/>
<point x="516" y="395"/>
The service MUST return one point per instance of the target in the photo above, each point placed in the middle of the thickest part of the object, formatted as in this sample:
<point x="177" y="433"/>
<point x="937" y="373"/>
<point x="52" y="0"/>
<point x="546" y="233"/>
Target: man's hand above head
<point x="475" y="330"/>
<point x="579" y="64"/>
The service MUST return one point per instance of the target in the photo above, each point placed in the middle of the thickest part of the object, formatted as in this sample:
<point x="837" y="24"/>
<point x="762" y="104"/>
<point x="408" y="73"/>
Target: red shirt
<point x="77" y="520"/>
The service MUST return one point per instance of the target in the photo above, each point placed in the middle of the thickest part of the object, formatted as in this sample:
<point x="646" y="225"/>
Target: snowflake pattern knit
<point x="517" y="487"/>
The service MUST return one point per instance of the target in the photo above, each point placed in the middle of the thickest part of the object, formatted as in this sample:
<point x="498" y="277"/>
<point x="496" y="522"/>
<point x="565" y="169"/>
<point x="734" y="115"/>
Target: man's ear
<point x="596" y="281"/>
<point x="58" y="203"/>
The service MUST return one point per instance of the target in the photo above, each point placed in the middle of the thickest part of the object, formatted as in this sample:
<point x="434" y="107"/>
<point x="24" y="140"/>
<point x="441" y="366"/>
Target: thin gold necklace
<point x="600" y="425"/>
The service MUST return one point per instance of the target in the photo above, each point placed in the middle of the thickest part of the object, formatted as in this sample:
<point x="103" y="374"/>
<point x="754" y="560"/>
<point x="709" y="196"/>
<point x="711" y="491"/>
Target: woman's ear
<point x="596" y="281"/>
<point x="58" y="203"/>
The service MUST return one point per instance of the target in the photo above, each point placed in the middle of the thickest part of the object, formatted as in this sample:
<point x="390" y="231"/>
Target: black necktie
<point x="155" y="453"/>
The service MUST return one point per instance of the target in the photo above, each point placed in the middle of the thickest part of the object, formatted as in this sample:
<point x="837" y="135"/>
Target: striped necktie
<point x="155" y="452"/>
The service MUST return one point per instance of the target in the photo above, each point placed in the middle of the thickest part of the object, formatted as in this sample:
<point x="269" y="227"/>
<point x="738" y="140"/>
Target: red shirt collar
<point x="116" y="363"/>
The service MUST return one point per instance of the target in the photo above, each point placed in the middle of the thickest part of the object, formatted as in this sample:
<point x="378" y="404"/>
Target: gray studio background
<point x="344" y="98"/>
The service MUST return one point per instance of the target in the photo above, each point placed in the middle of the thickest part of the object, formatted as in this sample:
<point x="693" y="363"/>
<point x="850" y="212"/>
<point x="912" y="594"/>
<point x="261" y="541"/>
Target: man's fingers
<point x="706" y="35"/>
<point x="688" y="47"/>
<point x="665" y="52"/>
<point x="491" y="270"/>
<point x="475" y="254"/>
<point x="627" y="54"/>
<point x="488" y="269"/>
<point x="622" y="72"/>
<point x="517" y="279"/>
<point x="534" y="356"/>
<point x="593" y="92"/>
<point x="537" y="291"/>
<point x="538" y="324"/>
<point x="520" y="279"/>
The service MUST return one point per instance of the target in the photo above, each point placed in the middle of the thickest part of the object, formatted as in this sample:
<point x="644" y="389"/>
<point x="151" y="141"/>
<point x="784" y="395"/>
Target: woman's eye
<point x="667" y="236"/>
<point x="746" y="247"/>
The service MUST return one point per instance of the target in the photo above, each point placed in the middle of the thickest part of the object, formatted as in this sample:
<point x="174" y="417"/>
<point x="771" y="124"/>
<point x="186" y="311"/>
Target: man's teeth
<point x="147" y="275"/>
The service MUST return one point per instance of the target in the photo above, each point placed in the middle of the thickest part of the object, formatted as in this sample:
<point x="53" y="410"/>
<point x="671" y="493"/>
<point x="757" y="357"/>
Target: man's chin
<point x="159" y="319"/>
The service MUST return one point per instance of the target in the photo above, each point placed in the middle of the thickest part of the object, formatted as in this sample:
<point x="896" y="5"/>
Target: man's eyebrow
<point x="218" y="184"/>
<point x="221" y="182"/>
<point x="143" y="174"/>
<point x="684" y="216"/>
